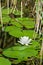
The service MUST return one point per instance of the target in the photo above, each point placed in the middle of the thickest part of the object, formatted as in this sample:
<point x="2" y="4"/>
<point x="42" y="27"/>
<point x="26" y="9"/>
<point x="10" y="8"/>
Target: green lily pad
<point x="17" y="32"/>
<point x="22" y="52"/>
<point x="14" y="31"/>
<point x="26" y="19"/>
<point x="5" y="11"/>
<point x="4" y="61"/>
<point x="16" y="23"/>
<point x="28" y="33"/>
<point x="6" y="19"/>
<point x="27" y="22"/>
<point x="11" y="28"/>
<point x="19" y="51"/>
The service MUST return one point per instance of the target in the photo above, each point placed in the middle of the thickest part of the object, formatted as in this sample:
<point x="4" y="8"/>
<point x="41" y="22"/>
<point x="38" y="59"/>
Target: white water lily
<point x="25" y="40"/>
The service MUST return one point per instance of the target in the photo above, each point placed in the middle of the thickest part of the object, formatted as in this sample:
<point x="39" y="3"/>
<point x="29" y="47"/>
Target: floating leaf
<point x="4" y="61"/>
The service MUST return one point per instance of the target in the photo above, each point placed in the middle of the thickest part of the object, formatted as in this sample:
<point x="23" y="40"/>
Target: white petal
<point x="30" y="40"/>
<point x="26" y="44"/>
<point x="25" y="40"/>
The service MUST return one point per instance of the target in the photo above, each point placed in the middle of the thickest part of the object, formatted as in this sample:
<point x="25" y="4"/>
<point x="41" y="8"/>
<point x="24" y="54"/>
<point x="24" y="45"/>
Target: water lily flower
<point x="25" y="40"/>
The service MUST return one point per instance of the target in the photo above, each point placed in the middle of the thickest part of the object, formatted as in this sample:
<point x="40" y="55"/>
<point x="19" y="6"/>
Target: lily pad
<point x="28" y="33"/>
<point x="28" y="23"/>
<point x="6" y="19"/>
<point x="17" y="32"/>
<point x="22" y="52"/>
<point x="19" y="51"/>
<point x="14" y="22"/>
<point x="4" y="61"/>
<point x="14" y="31"/>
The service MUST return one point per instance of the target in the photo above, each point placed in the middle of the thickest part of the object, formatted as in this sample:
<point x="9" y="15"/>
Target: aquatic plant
<point x="25" y="40"/>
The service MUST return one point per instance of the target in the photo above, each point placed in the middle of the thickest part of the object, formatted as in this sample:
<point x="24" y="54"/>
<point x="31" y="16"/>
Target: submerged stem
<point x="8" y="6"/>
<point x="41" y="53"/>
